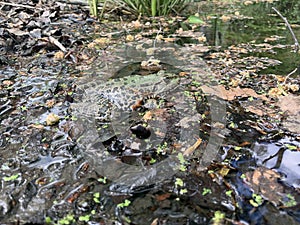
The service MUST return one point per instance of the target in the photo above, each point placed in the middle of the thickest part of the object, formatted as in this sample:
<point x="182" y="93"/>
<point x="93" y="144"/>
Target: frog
<point x="119" y="105"/>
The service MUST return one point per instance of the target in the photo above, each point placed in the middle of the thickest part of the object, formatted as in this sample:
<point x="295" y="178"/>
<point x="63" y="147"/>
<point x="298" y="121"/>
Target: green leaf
<point x="228" y="193"/>
<point x="253" y="203"/>
<point x="237" y="148"/>
<point x="152" y="161"/>
<point x="218" y="218"/>
<point x="96" y="197"/>
<point x="102" y="180"/>
<point x="181" y="158"/>
<point x="291" y="202"/>
<point x="291" y="147"/>
<point x="256" y="200"/>
<point x="124" y="204"/>
<point x="206" y="191"/>
<point x="179" y="182"/>
<point x="11" y="178"/>
<point x="96" y="200"/>
<point x="195" y="20"/>
<point x="183" y="191"/>
<point x="85" y="218"/>
<point x="232" y="125"/>
<point x="182" y="168"/>
<point x="48" y="220"/>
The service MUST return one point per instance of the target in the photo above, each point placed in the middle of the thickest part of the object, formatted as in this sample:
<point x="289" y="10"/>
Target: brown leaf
<point x="232" y="93"/>
<point x="289" y="104"/>
<point x="59" y="55"/>
<point x="192" y="148"/>
<point x="265" y="182"/>
<point x="162" y="196"/>
<point x="148" y="115"/>
<point x="52" y="119"/>
<point x="155" y="222"/>
<point x="17" y="31"/>
<point x="37" y="126"/>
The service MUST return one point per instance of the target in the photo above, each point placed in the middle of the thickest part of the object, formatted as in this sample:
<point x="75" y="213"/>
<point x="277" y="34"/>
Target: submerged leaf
<point x="264" y="181"/>
<point x="11" y="178"/>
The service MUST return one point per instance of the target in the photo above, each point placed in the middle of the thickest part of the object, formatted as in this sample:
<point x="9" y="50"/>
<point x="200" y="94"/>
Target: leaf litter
<point x="45" y="47"/>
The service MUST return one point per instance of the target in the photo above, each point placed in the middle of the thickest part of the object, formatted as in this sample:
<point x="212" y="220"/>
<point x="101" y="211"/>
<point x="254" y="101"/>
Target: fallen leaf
<point x="155" y="222"/>
<point x="232" y="93"/>
<point x="50" y="103"/>
<point x="102" y="40"/>
<point x="192" y="148"/>
<point x="162" y="196"/>
<point x="148" y="115"/>
<point x="37" y="126"/>
<point x="52" y="119"/>
<point x="129" y="38"/>
<point x="289" y="104"/>
<point x="264" y="181"/>
<point x="7" y="82"/>
<point x="202" y="39"/>
<point x="255" y="110"/>
<point x="293" y="87"/>
<point x="59" y="55"/>
<point x="276" y="92"/>
<point x="17" y="32"/>
<point x="225" y="18"/>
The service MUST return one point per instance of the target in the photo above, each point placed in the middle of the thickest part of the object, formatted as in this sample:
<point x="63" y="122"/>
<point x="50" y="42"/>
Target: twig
<point x="57" y="44"/>
<point x="289" y="27"/>
<point x="19" y="5"/>
<point x="158" y="32"/>
<point x="294" y="71"/>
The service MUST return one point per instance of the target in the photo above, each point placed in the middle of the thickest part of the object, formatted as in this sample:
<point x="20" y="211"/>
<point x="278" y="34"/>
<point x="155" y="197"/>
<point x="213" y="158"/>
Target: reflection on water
<point x="278" y="156"/>
<point x="257" y="24"/>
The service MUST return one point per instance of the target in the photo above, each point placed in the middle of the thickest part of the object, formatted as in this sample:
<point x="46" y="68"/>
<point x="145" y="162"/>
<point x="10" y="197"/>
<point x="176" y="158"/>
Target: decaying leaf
<point x="155" y="221"/>
<point x="52" y="119"/>
<point x="192" y="148"/>
<point x="276" y="92"/>
<point x="37" y="126"/>
<point x="162" y="196"/>
<point x="264" y="181"/>
<point x="59" y="55"/>
<point x="232" y="93"/>
<point x="290" y="104"/>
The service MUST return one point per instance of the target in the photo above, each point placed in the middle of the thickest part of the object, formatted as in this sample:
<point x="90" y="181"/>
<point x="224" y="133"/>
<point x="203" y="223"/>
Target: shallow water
<point x="276" y="155"/>
<point x="257" y="24"/>
<point x="48" y="171"/>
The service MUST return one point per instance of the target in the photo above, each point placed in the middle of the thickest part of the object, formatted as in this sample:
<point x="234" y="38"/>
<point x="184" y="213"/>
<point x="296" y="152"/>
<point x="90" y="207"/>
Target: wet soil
<point x="247" y="114"/>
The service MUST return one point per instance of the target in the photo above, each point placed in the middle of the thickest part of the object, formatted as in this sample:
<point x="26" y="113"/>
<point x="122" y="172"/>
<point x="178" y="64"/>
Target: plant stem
<point x="153" y="7"/>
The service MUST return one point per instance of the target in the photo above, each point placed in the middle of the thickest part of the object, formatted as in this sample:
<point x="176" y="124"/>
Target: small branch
<point x="19" y="5"/>
<point x="290" y="29"/>
<point x="158" y="32"/>
<point x="54" y="41"/>
<point x="291" y="73"/>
